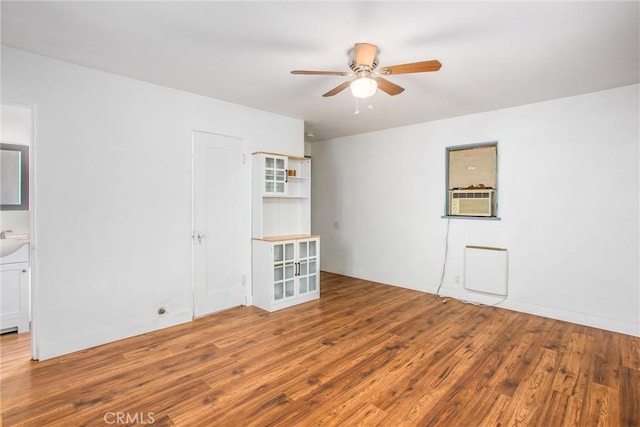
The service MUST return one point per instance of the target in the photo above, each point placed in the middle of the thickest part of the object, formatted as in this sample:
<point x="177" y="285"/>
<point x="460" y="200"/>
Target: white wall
<point x="568" y="199"/>
<point x="113" y="195"/>
<point x="15" y="124"/>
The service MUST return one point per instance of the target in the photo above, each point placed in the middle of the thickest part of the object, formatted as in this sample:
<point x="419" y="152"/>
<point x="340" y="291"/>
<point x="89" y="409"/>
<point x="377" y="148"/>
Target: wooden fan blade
<point x="415" y="67"/>
<point x="338" y="89"/>
<point x="388" y="87"/>
<point x="322" y="73"/>
<point x="365" y="54"/>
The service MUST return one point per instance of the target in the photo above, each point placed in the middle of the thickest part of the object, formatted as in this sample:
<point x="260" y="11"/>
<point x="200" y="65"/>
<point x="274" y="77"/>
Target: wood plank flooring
<point x="365" y="354"/>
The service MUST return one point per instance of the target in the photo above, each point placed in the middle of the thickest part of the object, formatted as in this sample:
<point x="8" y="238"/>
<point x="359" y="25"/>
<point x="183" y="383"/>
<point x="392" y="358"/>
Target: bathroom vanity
<point x="14" y="279"/>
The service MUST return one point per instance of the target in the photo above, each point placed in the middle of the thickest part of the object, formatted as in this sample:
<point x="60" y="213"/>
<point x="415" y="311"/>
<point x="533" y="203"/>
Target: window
<point x="472" y="181"/>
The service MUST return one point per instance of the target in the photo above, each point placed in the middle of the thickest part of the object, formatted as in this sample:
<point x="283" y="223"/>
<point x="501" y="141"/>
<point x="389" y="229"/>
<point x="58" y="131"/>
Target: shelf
<point x="280" y="196"/>
<point x="289" y="156"/>
<point x="481" y="218"/>
<point x="289" y="237"/>
<point x="285" y="255"/>
<point x="288" y="211"/>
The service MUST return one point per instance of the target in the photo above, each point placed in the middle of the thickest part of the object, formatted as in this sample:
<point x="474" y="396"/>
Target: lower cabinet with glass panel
<point x="286" y="271"/>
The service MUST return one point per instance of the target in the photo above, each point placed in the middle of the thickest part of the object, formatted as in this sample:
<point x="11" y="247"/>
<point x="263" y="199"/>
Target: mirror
<point x="14" y="174"/>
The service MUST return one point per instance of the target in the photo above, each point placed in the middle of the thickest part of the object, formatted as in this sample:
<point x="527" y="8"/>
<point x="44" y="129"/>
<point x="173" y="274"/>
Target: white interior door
<point x="218" y="278"/>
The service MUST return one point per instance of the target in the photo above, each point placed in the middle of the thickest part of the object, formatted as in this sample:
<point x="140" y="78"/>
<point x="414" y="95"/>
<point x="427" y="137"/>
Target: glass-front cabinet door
<point x="284" y="269"/>
<point x="275" y="175"/>
<point x="313" y="265"/>
<point x="307" y="266"/>
<point x="295" y="268"/>
<point x="289" y="270"/>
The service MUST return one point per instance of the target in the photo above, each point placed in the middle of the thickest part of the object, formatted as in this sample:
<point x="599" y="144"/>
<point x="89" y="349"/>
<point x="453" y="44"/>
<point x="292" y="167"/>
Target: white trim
<point x="627" y="328"/>
<point x="33" y="236"/>
<point x="50" y="350"/>
<point x="458" y="292"/>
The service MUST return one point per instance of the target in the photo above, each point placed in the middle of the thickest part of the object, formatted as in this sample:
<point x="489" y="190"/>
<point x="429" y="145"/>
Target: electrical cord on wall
<point x="480" y="304"/>
<point x="444" y="262"/>
<point x="444" y="267"/>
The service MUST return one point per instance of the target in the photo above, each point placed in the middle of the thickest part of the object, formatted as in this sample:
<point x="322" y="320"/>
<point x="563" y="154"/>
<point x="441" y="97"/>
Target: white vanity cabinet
<point x="285" y="271"/>
<point x="14" y="280"/>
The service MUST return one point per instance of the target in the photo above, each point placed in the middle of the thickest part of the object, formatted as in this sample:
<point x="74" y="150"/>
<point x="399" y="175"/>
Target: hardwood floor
<point x="364" y="354"/>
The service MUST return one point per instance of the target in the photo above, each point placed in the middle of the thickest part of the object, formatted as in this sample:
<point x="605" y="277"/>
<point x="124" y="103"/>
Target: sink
<point x="12" y="243"/>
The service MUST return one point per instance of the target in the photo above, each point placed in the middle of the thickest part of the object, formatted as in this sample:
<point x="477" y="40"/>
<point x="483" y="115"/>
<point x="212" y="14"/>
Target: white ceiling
<point x="494" y="54"/>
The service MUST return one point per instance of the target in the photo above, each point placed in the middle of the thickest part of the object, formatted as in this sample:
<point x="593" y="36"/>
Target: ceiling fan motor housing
<point x="361" y="67"/>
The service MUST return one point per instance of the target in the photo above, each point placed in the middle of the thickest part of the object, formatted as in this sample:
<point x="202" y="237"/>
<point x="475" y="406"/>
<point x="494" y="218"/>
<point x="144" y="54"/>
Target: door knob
<point x="200" y="237"/>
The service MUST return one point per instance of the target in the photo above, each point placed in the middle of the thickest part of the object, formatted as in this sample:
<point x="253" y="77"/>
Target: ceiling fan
<point x="363" y="61"/>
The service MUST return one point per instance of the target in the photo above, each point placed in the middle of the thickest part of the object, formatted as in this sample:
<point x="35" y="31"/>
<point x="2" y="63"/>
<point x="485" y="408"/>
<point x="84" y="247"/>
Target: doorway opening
<point x="17" y="225"/>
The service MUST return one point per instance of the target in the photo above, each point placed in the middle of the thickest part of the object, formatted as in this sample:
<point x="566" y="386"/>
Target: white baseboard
<point x="458" y="292"/>
<point x="613" y="325"/>
<point x="48" y="350"/>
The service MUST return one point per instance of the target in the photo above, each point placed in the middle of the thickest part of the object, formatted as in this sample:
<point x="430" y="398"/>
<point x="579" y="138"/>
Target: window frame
<point x="448" y="151"/>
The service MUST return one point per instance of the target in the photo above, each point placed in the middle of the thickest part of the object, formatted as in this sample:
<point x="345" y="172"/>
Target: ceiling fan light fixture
<point x="363" y="62"/>
<point x="363" y="87"/>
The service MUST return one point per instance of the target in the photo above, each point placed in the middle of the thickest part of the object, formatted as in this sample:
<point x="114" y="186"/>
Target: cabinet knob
<point x="24" y="270"/>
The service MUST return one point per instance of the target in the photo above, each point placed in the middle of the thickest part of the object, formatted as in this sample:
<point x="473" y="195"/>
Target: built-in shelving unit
<point x="281" y="195"/>
<point x="286" y="257"/>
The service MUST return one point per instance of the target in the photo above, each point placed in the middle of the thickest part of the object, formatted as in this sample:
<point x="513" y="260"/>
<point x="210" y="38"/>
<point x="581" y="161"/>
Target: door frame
<point x="245" y="220"/>
<point x="33" y="237"/>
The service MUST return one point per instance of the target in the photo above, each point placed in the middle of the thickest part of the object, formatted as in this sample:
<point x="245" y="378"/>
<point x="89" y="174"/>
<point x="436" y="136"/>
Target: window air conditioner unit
<point x="472" y="202"/>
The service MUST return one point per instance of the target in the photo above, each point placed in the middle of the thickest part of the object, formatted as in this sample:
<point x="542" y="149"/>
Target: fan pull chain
<point x="369" y="107"/>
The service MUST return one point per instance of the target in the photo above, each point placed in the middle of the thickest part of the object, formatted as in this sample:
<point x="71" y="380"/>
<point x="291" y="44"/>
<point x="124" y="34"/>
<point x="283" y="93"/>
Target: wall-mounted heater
<point x="486" y="269"/>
